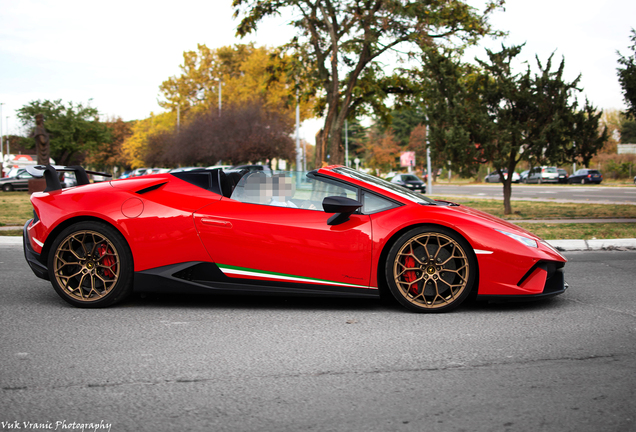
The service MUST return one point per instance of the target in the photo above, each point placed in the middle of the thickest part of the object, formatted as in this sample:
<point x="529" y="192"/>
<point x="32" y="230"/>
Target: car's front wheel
<point x="90" y="265"/>
<point x="431" y="269"/>
<point x="7" y="188"/>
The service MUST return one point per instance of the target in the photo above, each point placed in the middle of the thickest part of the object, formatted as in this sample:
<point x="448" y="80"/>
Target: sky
<point x="114" y="55"/>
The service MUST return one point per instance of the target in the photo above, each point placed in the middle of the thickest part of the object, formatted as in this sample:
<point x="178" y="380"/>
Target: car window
<point x="550" y="170"/>
<point x="290" y="189"/>
<point x="372" y="203"/>
<point x="593" y="172"/>
<point x="409" y="178"/>
<point x="385" y="185"/>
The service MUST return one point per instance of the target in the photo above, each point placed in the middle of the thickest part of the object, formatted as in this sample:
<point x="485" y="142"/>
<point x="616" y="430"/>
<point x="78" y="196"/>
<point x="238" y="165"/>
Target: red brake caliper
<point x="410" y="275"/>
<point x="107" y="261"/>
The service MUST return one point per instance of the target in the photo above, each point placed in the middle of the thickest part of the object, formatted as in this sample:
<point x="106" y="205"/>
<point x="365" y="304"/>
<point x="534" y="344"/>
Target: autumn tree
<point x="137" y="147"/>
<point x="247" y="74"/>
<point x="109" y="154"/>
<point x="381" y="151"/>
<point x="74" y="129"/>
<point x="344" y="42"/>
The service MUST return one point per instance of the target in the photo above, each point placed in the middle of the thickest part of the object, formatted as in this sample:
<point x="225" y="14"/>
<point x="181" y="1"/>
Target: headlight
<point x="525" y="240"/>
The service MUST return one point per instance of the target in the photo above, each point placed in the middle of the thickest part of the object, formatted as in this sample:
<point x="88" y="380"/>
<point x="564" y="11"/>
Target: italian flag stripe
<point x="262" y="274"/>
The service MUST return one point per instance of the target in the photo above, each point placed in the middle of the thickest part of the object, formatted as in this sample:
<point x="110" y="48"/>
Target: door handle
<point x="216" y="222"/>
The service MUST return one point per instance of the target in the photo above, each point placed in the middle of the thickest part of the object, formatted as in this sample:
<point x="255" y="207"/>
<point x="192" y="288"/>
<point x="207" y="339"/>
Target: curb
<point x="593" y="245"/>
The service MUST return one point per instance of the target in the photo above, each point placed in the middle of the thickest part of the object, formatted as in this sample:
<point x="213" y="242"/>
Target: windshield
<point x="385" y="185"/>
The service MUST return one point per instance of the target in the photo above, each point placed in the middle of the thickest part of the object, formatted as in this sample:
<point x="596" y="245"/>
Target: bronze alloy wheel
<point x="431" y="270"/>
<point x="90" y="265"/>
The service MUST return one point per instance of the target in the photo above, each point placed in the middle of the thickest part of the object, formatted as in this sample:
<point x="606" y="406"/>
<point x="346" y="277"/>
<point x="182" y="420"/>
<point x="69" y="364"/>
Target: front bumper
<point x="546" y="279"/>
<point x="33" y="258"/>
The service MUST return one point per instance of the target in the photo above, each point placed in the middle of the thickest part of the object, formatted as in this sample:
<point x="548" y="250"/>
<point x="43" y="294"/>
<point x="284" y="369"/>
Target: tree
<point x="74" y="130"/>
<point x="137" y="148"/>
<point x="628" y="131"/>
<point x="109" y="154"/>
<point x="344" y="41"/>
<point x="612" y="120"/>
<point x="245" y="133"/>
<point x="587" y="136"/>
<point x="491" y="115"/>
<point x="627" y="77"/>
<point x="382" y="152"/>
<point x="247" y="73"/>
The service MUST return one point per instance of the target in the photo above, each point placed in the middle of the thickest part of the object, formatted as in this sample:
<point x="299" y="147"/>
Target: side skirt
<point x="203" y="277"/>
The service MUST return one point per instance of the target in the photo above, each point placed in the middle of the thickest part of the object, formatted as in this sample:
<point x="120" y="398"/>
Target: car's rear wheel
<point x="431" y="269"/>
<point x="90" y="265"/>
<point x="7" y="188"/>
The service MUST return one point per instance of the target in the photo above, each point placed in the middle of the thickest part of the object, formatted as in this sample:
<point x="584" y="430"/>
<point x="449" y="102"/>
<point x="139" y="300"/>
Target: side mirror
<point x="341" y="206"/>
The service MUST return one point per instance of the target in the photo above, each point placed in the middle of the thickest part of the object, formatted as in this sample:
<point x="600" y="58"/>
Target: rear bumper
<point x="32" y="257"/>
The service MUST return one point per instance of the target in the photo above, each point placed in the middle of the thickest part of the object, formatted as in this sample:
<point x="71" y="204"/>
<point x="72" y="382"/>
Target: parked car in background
<point x="19" y="181"/>
<point x="543" y="174"/>
<point x="68" y="179"/>
<point x="493" y="177"/>
<point x="563" y="175"/>
<point x="184" y="169"/>
<point x="126" y="174"/>
<point x="410" y="181"/>
<point x="150" y="171"/>
<point x="523" y="176"/>
<point x="586" y="175"/>
<point x="139" y="172"/>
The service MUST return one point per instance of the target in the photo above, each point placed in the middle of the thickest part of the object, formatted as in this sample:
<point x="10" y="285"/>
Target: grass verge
<point x="551" y="210"/>
<point x="581" y="231"/>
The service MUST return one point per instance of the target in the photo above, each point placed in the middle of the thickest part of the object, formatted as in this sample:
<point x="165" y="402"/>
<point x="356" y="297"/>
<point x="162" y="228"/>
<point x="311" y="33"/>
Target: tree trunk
<point x="320" y="146"/>
<point x="507" y="192"/>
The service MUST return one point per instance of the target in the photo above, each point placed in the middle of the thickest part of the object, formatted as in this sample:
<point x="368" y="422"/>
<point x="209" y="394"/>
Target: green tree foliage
<point x="586" y="137"/>
<point x="627" y="77"/>
<point x="628" y="131"/>
<point x="493" y="115"/>
<point x="74" y="130"/>
<point x="342" y="43"/>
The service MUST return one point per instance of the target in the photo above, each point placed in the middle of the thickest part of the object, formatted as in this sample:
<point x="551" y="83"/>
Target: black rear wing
<point x="50" y="174"/>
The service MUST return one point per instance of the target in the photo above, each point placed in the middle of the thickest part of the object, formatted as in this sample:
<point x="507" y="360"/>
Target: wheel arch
<point x="44" y="256"/>
<point x="381" y="274"/>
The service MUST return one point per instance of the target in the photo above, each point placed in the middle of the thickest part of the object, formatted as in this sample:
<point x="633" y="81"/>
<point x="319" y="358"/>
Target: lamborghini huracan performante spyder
<point x="333" y="231"/>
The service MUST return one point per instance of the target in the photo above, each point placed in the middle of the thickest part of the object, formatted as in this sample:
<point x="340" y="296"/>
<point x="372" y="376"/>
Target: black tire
<point x="90" y="265"/>
<point x="7" y="188"/>
<point x="431" y="269"/>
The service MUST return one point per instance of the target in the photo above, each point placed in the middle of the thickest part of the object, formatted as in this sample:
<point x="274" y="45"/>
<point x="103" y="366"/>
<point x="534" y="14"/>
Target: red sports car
<point x="332" y="231"/>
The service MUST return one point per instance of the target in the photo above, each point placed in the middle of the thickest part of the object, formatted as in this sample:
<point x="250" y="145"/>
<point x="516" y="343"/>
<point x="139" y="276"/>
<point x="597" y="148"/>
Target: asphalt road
<point x="564" y="193"/>
<point x="167" y="363"/>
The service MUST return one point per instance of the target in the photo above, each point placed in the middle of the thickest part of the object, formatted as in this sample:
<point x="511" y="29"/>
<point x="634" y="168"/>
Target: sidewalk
<point x="561" y="245"/>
